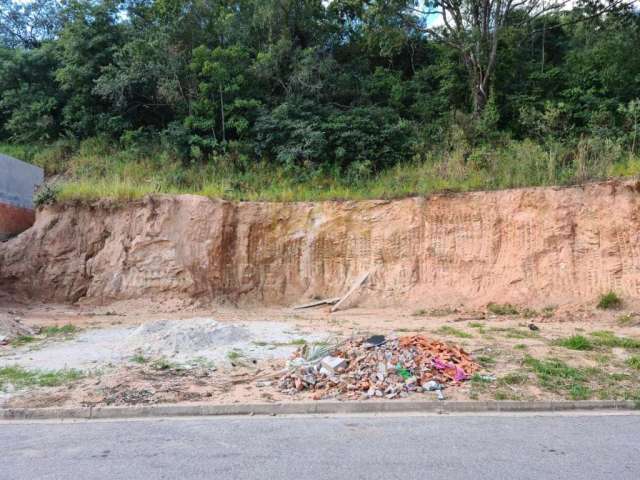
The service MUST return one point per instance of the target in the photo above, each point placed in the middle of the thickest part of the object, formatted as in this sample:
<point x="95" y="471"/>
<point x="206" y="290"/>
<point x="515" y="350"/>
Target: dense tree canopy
<point x="350" y="86"/>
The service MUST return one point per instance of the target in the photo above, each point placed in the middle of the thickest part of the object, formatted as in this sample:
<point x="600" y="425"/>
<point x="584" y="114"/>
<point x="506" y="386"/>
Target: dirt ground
<point x="522" y="354"/>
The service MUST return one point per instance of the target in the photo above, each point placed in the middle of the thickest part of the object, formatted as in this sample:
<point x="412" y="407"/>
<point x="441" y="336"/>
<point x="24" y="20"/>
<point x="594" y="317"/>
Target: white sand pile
<point x="187" y="337"/>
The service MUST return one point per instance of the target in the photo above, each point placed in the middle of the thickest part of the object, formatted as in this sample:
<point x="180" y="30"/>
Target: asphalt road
<point x="424" y="447"/>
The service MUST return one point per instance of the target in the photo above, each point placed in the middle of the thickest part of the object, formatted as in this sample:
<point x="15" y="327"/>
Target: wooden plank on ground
<point x="317" y="303"/>
<point x="354" y="288"/>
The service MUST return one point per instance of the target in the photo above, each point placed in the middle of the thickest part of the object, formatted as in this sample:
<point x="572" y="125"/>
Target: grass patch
<point x="55" y="331"/>
<point x="164" y="364"/>
<point x="20" y="377"/>
<point x="454" y="332"/>
<point x="204" y="362"/>
<point x="23" y="340"/>
<point x="512" y="332"/>
<point x="609" y="301"/>
<point x="515" y="378"/>
<point x="234" y="355"/>
<point x="98" y="168"/>
<point x="608" y="339"/>
<point x="549" y="311"/>
<point x="627" y="320"/>
<point x="434" y="312"/>
<point x="633" y="362"/>
<point x="486" y="361"/>
<point x="520" y="346"/>
<point x="139" y="359"/>
<point x="502" y="309"/>
<point x="556" y="376"/>
<point x="575" y="342"/>
<point x="46" y="332"/>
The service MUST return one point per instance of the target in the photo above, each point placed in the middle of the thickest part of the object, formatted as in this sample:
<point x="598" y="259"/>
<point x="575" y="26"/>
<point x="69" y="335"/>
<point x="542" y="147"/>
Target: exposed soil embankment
<point x="532" y="246"/>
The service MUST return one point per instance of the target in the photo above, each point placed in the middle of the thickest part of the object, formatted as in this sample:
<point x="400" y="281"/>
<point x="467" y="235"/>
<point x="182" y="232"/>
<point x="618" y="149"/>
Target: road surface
<point x="425" y="447"/>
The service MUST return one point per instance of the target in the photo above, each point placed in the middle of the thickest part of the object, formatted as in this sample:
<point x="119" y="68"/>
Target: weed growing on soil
<point x="605" y="338"/>
<point x="502" y="309"/>
<point x="47" y="332"/>
<point x="454" y="332"/>
<point x="139" y="359"/>
<point x="626" y="320"/>
<point x="22" y="340"/>
<point x="486" y="361"/>
<point x="575" y="342"/>
<point x="20" y="377"/>
<point x="434" y="312"/>
<point x="549" y="311"/>
<point x="520" y="346"/>
<point x="164" y="364"/>
<point x="59" y="331"/>
<point x="479" y="384"/>
<point x="633" y="362"/>
<point x="514" y="378"/>
<point x="609" y="300"/>
<point x="556" y="376"/>
<point x="511" y="332"/>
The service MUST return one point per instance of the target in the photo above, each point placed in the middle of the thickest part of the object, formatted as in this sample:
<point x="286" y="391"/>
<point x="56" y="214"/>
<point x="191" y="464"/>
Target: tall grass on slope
<point x="96" y="170"/>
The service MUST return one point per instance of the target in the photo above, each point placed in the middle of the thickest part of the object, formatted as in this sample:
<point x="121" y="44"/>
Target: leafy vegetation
<point x="502" y="309"/>
<point x="20" y="377"/>
<point x="575" y="342"/>
<point x="633" y="362"/>
<point x="609" y="339"/>
<point x="304" y="99"/>
<point x="56" y="330"/>
<point x="557" y="376"/>
<point x="609" y="300"/>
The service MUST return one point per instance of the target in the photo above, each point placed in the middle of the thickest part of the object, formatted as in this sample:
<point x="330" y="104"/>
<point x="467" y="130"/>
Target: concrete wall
<point x="18" y="180"/>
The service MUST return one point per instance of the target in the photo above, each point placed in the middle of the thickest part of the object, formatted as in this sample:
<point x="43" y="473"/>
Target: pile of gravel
<point x="186" y="337"/>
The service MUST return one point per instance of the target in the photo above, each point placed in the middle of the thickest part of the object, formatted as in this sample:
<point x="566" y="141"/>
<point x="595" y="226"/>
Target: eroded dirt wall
<point x="532" y="246"/>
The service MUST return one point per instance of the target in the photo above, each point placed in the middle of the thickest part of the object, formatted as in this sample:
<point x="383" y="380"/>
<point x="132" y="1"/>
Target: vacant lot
<point x="125" y="355"/>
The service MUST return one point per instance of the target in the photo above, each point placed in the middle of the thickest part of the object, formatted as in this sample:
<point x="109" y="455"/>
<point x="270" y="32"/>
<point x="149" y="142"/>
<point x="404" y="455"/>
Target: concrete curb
<point x="310" y="408"/>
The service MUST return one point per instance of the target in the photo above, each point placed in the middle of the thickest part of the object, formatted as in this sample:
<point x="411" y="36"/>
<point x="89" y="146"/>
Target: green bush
<point x="609" y="300"/>
<point x="47" y="194"/>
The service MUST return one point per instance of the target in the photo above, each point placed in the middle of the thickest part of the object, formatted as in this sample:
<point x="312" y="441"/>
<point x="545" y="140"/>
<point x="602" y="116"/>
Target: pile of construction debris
<point x="377" y="367"/>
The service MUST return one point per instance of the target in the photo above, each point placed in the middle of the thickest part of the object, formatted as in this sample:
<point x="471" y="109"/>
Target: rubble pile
<point x="378" y="367"/>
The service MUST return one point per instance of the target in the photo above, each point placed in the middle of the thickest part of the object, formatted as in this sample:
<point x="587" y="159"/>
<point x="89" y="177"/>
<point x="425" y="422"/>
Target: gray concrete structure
<point x="18" y="181"/>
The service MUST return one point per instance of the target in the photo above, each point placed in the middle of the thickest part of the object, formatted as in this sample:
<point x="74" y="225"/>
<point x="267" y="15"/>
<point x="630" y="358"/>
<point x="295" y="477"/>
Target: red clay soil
<point x="534" y="247"/>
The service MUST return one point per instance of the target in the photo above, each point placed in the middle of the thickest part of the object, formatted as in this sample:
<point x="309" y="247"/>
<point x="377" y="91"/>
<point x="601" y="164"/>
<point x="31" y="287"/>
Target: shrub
<point x="502" y="309"/>
<point x="46" y="195"/>
<point x="609" y="301"/>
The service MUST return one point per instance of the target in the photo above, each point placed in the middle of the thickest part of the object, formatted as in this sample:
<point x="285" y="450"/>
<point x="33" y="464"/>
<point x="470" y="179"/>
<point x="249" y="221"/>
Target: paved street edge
<point x="310" y="408"/>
